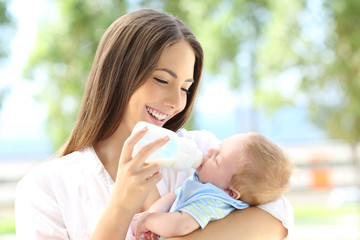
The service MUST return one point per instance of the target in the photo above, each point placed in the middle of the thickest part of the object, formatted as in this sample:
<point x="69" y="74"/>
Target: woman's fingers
<point x="152" y="179"/>
<point x="148" y="172"/>
<point x="130" y="143"/>
<point x="145" y="152"/>
<point x="134" y="177"/>
<point x="148" y="149"/>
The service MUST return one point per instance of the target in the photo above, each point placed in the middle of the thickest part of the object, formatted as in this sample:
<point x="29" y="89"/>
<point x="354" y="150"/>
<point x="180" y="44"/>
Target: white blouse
<point x="64" y="198"/>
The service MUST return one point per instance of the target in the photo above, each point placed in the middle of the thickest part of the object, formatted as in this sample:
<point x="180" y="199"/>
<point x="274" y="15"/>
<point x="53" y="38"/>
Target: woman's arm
<point x="249" y="224"/>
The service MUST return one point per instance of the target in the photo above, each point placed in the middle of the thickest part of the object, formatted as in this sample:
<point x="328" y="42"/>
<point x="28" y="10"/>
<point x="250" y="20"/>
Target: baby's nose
<point x="207" y="155"/>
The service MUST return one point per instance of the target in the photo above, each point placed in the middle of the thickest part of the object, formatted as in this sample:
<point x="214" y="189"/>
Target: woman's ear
<point x="235" y="194"/>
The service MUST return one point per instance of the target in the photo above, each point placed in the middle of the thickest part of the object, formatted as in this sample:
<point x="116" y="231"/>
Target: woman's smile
<point x="157" y="114"/>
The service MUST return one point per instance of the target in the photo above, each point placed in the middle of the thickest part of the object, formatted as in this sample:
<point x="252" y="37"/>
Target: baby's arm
<point x="159" y="221"/>
<point x="170" y="224"/>
<point x="164" y="203"/>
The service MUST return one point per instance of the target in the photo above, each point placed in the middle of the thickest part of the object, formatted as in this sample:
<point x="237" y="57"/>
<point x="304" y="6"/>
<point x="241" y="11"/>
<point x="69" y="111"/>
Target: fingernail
<point x="165" y="138"/>
<point x="144" y="129"/>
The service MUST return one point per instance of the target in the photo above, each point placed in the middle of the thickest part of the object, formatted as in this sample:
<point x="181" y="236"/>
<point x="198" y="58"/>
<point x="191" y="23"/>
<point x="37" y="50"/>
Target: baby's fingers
<point x="154" y="236"/>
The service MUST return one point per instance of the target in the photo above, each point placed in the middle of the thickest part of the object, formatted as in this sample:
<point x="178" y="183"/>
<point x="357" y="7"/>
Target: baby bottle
<point x="180" y="153"/>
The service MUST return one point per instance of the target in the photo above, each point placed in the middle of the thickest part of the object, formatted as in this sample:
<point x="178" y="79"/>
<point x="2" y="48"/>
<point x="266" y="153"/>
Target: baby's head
<point x="247" y="166"/>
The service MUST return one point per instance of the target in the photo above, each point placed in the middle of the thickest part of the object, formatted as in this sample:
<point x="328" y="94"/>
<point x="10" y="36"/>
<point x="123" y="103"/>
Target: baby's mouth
<point x="158" y="115"/>
<point x="199" y="167"/>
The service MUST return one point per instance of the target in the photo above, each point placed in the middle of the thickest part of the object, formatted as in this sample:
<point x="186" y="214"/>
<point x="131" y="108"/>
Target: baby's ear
<point x="235" y="194"/>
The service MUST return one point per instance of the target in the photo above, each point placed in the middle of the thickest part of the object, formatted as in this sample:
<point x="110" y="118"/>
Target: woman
<point x="147" y="68"/>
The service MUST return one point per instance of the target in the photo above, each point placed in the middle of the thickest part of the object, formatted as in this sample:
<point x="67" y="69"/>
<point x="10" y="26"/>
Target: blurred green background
<point x="269" y="55"/>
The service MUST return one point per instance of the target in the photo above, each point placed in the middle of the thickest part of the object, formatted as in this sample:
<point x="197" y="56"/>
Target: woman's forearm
<point x="251" y="224"/>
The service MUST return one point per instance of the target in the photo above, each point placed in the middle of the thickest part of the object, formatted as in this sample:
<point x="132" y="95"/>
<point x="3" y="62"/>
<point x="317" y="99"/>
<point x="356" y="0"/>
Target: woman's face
<point x="164" y="94"/>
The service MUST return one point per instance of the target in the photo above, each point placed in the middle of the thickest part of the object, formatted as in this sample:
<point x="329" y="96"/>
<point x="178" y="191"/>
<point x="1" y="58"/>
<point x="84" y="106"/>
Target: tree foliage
<point x="238" y="38"/>
<point x="333" y="79"/>
<point x="253" y="42"/>
<point x="7" y="27"/>
<point x="63" y="55"/>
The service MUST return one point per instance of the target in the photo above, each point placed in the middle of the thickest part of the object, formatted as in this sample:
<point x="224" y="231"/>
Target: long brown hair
<point x="126" y="56"/>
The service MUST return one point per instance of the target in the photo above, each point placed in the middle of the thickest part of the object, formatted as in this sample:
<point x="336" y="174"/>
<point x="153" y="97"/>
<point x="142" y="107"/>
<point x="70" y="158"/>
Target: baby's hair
<point x="264" y="172"/>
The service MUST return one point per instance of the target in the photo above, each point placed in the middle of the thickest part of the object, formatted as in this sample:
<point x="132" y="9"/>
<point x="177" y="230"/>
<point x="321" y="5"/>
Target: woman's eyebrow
<point x="173" y="74"/>
<point x="168" y="71"/>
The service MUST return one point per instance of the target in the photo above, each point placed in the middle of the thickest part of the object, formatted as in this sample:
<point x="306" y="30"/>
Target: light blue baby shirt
<point x="204" y="201"/>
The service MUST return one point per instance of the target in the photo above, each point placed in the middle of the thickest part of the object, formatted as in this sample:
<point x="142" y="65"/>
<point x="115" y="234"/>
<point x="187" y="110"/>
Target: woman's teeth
<point x="156" y="114"/>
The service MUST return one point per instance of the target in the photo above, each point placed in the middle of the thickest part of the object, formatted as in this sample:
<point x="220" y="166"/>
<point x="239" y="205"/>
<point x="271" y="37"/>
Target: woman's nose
<point x="174" y="99"/>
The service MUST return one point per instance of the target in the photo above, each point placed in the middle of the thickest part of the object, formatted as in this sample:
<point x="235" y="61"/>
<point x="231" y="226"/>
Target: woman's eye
<point x="161" y="81"/>
<point x="187" y="91"/>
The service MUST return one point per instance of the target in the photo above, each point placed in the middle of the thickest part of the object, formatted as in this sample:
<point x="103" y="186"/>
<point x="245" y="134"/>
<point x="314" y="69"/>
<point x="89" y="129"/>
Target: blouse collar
<point x="98" y="166"/>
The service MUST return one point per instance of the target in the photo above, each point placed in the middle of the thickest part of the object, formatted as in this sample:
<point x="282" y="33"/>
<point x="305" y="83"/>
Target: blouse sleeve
<point x="282" y="210"/>
<point x="37" y="215"/>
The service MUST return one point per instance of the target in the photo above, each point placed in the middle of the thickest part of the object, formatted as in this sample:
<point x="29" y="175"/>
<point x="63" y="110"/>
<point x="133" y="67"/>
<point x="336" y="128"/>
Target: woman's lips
<point x="157" y="114"/>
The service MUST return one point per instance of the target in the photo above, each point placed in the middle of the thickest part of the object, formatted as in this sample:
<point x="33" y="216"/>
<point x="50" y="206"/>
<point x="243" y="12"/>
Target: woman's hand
<point x="135" y="179"/>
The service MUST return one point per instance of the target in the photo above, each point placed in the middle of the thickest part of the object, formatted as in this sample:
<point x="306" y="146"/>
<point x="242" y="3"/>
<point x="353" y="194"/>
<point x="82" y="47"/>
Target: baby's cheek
<point x="201" y="175"/>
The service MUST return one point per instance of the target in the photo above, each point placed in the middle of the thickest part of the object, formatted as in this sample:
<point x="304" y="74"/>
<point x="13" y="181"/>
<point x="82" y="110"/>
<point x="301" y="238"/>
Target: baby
<point x="245" y="170"/>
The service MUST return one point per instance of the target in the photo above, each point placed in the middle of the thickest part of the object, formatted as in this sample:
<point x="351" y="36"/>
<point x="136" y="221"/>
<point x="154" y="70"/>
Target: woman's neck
<point x="109" y="150"/>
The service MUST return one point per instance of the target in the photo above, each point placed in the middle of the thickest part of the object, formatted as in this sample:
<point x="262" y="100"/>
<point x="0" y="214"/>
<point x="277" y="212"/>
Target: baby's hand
<point x="147" y="236"/>
<point x="142" y="232"/>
